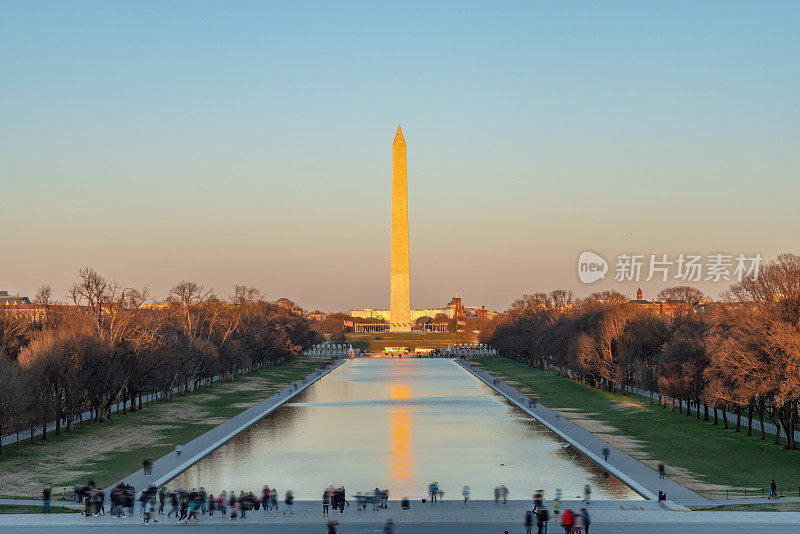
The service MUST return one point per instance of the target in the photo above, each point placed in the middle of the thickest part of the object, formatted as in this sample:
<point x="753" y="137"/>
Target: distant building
<point x="318" y="316"/>
<point x="453" y="310"/>
<point x="669" y="307"/>
<point x="12" y="300"/>
<point x="289" y="306"/>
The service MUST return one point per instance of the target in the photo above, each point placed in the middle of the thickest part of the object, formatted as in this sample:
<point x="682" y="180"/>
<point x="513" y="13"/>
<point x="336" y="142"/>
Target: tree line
<point x="741" y="353"/>
<point x="111" y="345"/>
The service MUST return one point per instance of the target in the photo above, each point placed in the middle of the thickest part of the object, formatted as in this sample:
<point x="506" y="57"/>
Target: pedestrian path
<point x="476" y="512"/>
<point x="171" y="465"/>
<point x="629" y="470"/>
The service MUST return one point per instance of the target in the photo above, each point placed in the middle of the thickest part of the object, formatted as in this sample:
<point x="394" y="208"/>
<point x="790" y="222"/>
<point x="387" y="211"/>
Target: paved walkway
<point x="484" y="513"/>
<point x="631" y="471"/>
<point x="169" y="466"/>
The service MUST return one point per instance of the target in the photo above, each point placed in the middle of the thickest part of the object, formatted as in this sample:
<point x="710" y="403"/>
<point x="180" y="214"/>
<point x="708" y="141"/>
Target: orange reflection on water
<point x="400" y="420"/>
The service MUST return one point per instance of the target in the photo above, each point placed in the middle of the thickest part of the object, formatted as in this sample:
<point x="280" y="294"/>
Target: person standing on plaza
<point x="148" y="511"/>
<point x="173" y="502"/>
<point x="289" y="501"/>
<point x="273" y="499"/>
<point x="46" y="499"/>
<point x="567" y="520"/>
<point x="538" y="500"/>
<point x="232" y="505"/>
<point x="201" y="496"/>
<point x="465" y="493"/>
<point x="242" y="504"/>
<point x="504" y="492"/>
<point x="661" y="474"/>
<point x="577" y="523"/>
<point x="212" y="505"/>
<point x="326" y="503"/>
<point x="528" y="521"/>
<point x="497" y="494"/>
<point x="773" y="494"/>
<point x="178" y="450"/>
<point x="542" y="518"/>
<point x="587" y="493"/>
<point x="162" y="496"/>
<point x="265" y="499"/>
<point x="587" y="520"/>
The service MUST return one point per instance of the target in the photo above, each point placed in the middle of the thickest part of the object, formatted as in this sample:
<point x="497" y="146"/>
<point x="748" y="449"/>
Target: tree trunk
<point x="716" y="416"/>
<point x="724" y="417"/>
<point x="761" y="418"/>
<point x="705" y="412"/>
<point x="44" y="430"/>
<point x="750" y="419"/>
<point x="58" y="425"/>
<point x="790" y="445"/>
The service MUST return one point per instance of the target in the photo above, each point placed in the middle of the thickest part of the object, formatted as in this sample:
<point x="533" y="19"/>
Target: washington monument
<point x="400" y="291"/>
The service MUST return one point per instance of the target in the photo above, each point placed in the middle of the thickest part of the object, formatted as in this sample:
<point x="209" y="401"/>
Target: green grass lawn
<point x="754" y="507"/>
<point x="24" y="509"/>
<point x="715" y="456"/>
<point x="108" y="452"/>
<point x="376" y="342"/>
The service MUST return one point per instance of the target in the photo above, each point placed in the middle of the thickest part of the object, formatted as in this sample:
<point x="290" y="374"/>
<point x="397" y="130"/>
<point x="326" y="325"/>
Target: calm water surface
<point x="400" y="424"/>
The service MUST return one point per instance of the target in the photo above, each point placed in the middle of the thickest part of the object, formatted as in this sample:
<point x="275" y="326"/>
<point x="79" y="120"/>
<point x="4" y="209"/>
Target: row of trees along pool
<point x="740" y="354"/>
<point x="109" y="346"/>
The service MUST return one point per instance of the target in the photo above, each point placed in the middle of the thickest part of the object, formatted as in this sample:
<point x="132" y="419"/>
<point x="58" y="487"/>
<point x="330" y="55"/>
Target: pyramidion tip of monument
<point x="398" y="137"/>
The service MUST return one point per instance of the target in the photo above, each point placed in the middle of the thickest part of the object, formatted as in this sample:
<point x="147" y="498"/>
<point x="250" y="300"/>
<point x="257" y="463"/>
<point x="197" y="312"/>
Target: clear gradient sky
<point x="250" y="142"/>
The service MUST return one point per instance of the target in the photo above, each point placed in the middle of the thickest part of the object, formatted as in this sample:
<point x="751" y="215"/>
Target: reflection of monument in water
<point x="400" y="284"/>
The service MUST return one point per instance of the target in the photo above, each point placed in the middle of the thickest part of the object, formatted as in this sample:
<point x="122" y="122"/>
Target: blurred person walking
<point x="46" y="499"/>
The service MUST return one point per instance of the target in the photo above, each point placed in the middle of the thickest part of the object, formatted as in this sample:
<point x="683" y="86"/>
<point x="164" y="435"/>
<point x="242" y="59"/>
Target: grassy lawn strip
<point x="713" y="455"/>
<point x="24" y="509"/>
<point x="108" y="452"/>
<point x="754" y="507"/>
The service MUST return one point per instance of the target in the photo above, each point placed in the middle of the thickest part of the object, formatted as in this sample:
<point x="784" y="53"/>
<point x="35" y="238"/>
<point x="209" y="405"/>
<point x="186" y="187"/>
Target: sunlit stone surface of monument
<point x="400" y="286"/>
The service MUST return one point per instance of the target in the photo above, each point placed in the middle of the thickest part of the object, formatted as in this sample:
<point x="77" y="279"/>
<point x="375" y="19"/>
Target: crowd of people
<point x="189" y="506"/>
<point x="185" y="506"/>
<point x="572" y="522"/>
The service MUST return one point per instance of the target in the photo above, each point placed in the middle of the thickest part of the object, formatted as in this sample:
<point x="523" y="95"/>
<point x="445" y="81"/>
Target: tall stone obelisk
<point x="400" y="292"/>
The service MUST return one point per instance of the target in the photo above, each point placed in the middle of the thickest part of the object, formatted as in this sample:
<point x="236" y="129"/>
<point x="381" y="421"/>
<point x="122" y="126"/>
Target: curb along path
<point x="629" y="470"/>
<point x="169" y="466"/>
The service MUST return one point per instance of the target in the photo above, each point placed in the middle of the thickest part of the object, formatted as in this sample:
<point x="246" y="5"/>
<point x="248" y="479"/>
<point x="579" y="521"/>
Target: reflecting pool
<point x="400" y="424"/>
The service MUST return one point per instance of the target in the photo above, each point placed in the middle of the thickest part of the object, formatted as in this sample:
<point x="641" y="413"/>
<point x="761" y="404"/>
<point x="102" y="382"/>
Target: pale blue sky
<point x="250" y="142"/>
